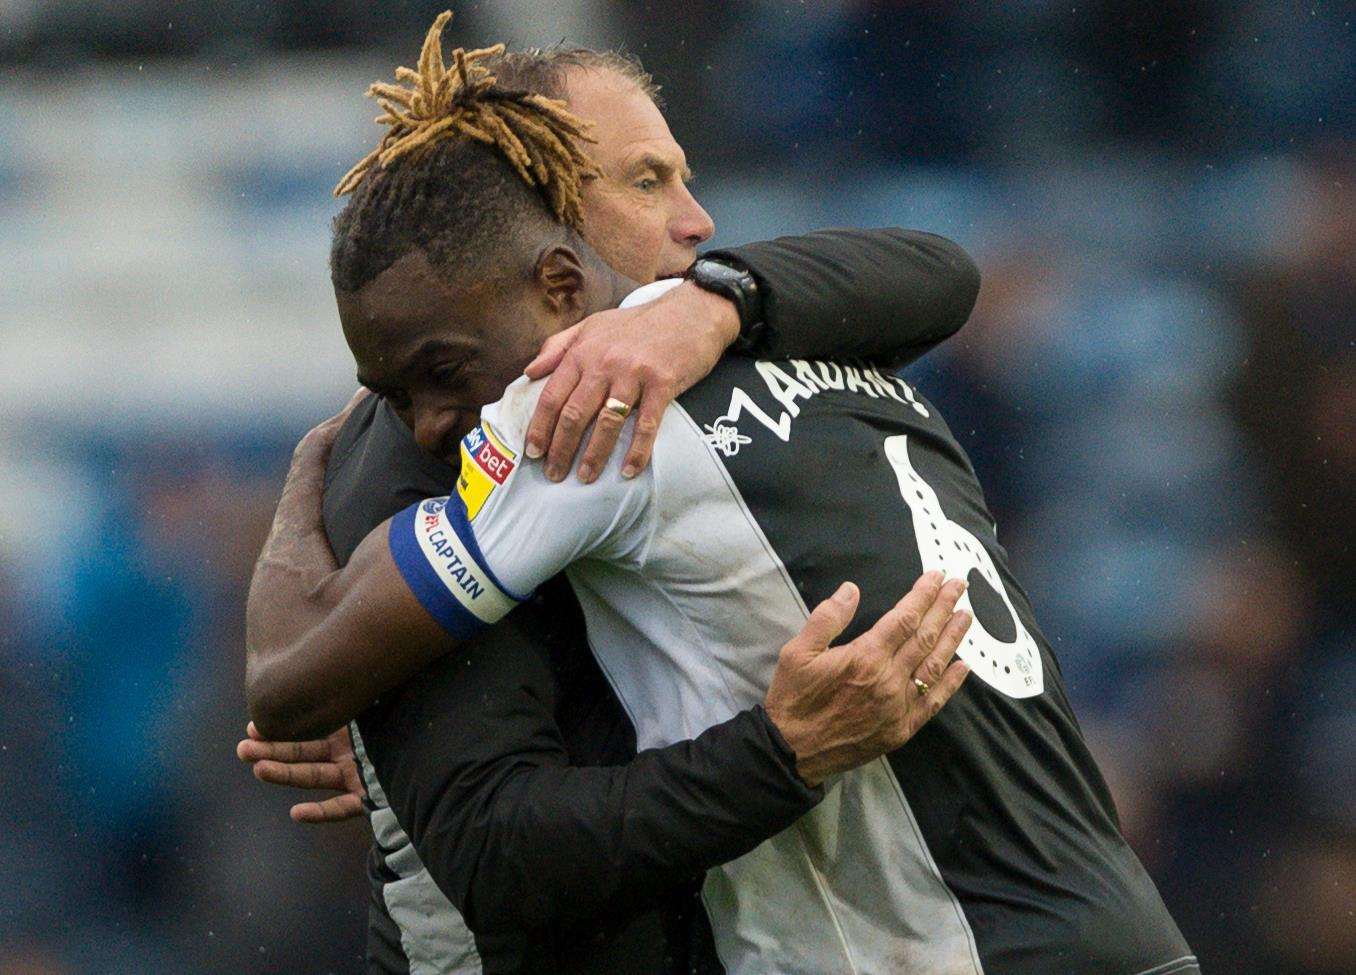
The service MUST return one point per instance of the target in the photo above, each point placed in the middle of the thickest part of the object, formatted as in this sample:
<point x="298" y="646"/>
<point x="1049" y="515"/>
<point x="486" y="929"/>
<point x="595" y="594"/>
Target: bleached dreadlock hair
<point x="465" y="161"/>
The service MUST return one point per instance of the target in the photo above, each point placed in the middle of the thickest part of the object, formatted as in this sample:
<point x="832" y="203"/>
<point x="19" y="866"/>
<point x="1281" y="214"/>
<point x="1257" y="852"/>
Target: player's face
<point x="639" y="215"/>
<point x="439" y="352"/>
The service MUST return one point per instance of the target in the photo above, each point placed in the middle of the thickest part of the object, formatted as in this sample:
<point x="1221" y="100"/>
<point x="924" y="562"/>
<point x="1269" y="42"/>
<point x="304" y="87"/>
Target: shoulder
<point x="356" y="429"/>
<point x="509" y="416"/>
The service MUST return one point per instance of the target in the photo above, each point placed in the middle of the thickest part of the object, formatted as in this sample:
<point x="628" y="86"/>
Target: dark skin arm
<point x="305" y="618"/>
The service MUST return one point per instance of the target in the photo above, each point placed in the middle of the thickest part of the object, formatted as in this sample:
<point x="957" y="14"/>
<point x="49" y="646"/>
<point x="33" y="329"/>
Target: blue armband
<point x="435" y="549"/>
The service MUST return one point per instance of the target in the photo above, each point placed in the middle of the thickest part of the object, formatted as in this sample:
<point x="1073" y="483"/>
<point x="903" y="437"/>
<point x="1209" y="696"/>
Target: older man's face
<point x="639" y="216"/>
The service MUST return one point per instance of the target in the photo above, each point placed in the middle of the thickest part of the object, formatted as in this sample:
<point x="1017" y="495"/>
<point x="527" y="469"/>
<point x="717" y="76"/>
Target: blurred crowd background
<point x="1158" y="388"/>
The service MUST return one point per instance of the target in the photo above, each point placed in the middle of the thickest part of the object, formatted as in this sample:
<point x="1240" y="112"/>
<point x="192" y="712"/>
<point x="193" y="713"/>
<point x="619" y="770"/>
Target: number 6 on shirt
<point x="1011" y="666"/>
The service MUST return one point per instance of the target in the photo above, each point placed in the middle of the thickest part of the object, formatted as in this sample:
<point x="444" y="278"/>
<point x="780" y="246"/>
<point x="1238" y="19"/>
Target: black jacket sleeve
<point x="474" y="765"/>
<point x="884" y="295"/>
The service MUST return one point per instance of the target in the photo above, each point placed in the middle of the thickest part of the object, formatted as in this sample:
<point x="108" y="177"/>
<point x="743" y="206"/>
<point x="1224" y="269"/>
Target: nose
<point x="691" y="225"/>
<point x="435" y="430"/>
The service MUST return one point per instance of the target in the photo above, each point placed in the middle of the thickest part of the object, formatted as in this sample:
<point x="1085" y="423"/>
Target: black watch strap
<point x="739" y="286"/>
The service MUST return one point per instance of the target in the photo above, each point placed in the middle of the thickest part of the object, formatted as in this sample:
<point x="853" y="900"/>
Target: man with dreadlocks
<point x="993" y="847"/>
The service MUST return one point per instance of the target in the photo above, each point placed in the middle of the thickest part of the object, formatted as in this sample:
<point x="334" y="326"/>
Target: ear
<point x="559" y="275"/>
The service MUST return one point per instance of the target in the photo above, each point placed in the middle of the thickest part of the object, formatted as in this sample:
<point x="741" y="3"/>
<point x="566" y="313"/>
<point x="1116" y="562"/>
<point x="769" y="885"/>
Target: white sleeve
<point x="470" y="558"/>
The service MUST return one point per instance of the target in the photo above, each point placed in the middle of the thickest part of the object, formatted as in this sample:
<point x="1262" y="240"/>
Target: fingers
<point x="934" y="665"/>
<point x="826" y="621"/>
<point x="940" y="672"/>
<point x="902" y="620"/>
<point x="257" y="749"/>
<point x="606" y="429"/>
<point x="341" y="743"/>
<point x="929" y="630"/>
<point x="649" y="413"/>
<point x="925" y="707"/>
<point x="302" y="775"/>
<point x="333" y="810"/>
<point x="575" y="416"/>
<point x="305" y="765"/>
<point x="554" y="395"/>
<point x="552" y="351"/>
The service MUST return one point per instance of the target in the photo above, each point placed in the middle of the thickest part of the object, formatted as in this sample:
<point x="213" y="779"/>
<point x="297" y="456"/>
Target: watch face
<point x="717" y="273"/>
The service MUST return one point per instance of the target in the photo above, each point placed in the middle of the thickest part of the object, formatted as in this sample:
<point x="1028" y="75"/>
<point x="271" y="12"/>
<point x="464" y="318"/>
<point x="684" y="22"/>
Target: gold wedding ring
<point x="617" y="407"/>
<point x="921" y="685"/>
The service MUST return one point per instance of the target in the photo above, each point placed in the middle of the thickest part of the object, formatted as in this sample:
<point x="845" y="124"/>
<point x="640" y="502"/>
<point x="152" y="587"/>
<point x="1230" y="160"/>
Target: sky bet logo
<point x="486" y="463"/>
<point x="487" y="456"/>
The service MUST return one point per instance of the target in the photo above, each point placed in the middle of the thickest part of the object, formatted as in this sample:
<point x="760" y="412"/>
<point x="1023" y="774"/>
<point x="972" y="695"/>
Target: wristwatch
<point x="739" y="286"/>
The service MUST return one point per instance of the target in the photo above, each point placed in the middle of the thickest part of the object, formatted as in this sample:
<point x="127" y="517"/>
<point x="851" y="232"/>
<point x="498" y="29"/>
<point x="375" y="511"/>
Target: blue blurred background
<point x="1158" y="388"/>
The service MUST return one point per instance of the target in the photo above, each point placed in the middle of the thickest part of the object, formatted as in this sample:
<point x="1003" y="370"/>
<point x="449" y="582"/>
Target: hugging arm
<point x="315" y="651"/>
<point x="474" y="765"/>
<point x="322" y="641"/>
<point x="884" y="295"/>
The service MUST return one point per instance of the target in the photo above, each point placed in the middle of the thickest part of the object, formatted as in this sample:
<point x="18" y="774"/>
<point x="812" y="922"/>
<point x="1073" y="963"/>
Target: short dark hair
<point x="476" y="156"/>
<point x="464" y="222"/>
